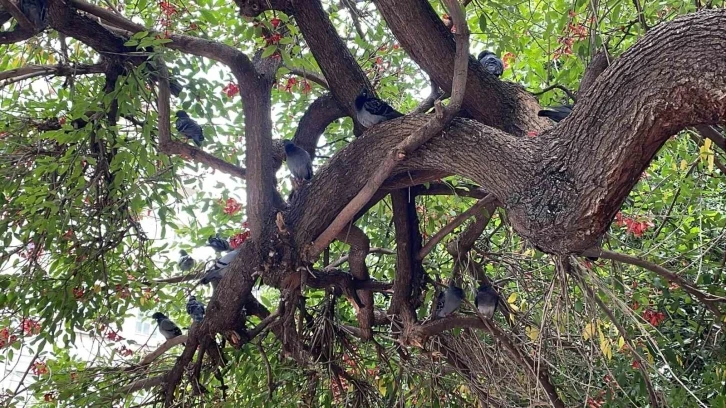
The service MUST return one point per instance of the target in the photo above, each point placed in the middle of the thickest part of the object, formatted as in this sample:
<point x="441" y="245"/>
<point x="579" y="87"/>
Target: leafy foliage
<point x="92" y="216"/>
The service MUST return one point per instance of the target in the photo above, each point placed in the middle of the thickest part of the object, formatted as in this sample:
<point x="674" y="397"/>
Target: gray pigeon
<point x="491" y="63"/>
<point x="189" y="128"/>
<point x="217" y="271"/>
<point x="556" y="113"/>
<point x="195" y="309"/>
<point x="167" y="328"/>
<point x="36" y="11"/>
<point x="218" y="243"/>
<point x="298" y="161"/>
<point x="186" y="262"/>
<point x="486" y="300"/>
<point x="448" y="301"/>
<point x="371" y="110"/>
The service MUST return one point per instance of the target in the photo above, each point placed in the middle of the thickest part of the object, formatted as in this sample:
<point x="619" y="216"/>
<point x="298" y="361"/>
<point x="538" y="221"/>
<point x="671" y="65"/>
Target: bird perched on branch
<point x="195" y="309"/>
<point x="175" y="87"/>
<point x="186" y="262"/>
<point x="448" y="301"/>
<point x="36" y="11"/>
<point x="491" y="62"/>
<point x="371" y="110"/>
<point x="556" y="113"/>
<point x="486" y="300"/>
<point x="218" y="243"/>
<point x="167" y="328"/>
<point x="217" y="271"/>
<point x="298" y="161"/>
<point x="189" y="128"/>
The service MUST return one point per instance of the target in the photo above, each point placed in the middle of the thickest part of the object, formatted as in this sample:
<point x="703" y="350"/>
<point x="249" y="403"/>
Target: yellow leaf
<point x="606" y="348"/>
<point x="532" y="333"/>
<point x="651" y="360"/>
<point x="589" y="331"/>
<point x="382" y="387"/>
<point x="512" y="298"/>
<point x="710" y="162"/>
<point x="142" y="300"/>
<point x="707" y="144"/>
<point x="97" y="288"/>
<point x="684" y="165"/>
<point x="621" y="343"/>
<point x="51" y="59"/>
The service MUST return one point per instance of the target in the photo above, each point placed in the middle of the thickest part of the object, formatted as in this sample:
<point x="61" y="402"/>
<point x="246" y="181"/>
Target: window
<point x="143" y="327"/>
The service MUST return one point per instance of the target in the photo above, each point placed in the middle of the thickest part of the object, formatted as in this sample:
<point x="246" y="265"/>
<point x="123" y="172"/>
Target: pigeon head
<point x="362" y="97"/>
<point x="485" y="286"/>
<point x="158" y="316"/>
<point x="192" y="298"/>
<point x="182" y="252"/>
<point x="181" y="114"/>
<point x="459" y="292"/>
<point x="289" y="146"/>
<point x="484" y="54"/>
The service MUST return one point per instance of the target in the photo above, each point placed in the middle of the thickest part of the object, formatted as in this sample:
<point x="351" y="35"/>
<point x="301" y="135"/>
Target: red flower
<point x="273" y="39"/>
<point x="396" y="46"/>
<point x="49" y="397"/>
<point x="239" y="239"/>
<point x="275" y="22"/>
<point x="125" y="351"/>
<point x="77" y="292"/>
<point x="532" y="133"/>
<point x="508" y="59"/>
<point x="232" y="207"/>
<point x="62" y="120"/>
<point x="636" y="364"/>
<point x="113" y="336"/>
<point x="653" y="317"/>
<point x="231" y="89"/>
<point x="39" y="368"/>
<point x="30" y="327"/>
<point x="290" y="83"/>
<point x="306" y="88"/>
<point x="166" y="8"/>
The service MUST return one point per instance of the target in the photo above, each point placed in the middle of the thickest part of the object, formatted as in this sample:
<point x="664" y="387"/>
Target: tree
<point x="88" y="157"/>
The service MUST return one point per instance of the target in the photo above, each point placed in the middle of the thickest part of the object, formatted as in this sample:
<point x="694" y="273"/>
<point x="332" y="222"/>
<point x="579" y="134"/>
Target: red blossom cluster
<point x="125" y="351"/>
<point x="39" y="368"/>
<point x="231" y="206"/>
<point x="78" y="292"/>
<point x="291" y="82"/>
<point x="275" y="22"/>
<point x="122" y="291"/>
<point x="653" y="317"/>
<point x="231" y="89"/>
<point x="167" y="8"/>
<point x="238" y="239"/>
<point x="30" y="327"/>
<point x="573" y="32"/>
<point x="49" y="397"/>
<point x="6" y="339"/>
<point x="634" y="227"/>
<point x="272" y="39"/>
<point x="508" y="59"/>
<point x="112" y="335"/>
<point x="636" y="364"/>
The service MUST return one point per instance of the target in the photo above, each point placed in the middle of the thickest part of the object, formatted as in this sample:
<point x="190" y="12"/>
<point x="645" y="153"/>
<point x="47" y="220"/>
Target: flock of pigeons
<point x="486" y="301"/>
<point x="213" y="275"/>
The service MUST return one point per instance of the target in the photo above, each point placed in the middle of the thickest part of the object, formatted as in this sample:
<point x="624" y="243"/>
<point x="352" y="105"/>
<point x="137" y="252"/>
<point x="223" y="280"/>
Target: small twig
<point x="343" y="259"/>
<point x="163" y="348"/>
<point x="452" y="225"/>
<point x="569" y="93"/>
<point x="317" y="78"/>
<point x="268" y="369"/>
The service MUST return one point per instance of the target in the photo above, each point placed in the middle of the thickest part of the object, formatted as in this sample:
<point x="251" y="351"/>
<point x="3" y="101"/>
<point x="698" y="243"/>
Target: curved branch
<point x="321" y="113"/>
<point x="708" y="300"/>
<point x="163" y="348"/>
<point x="452" y="225"/>
<point x="312" y="76"/>
<point x="359" y="248"/>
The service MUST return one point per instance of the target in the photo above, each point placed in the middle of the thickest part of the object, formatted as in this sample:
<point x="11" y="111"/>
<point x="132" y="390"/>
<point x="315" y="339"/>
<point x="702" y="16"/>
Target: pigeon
<point x="186" y="262"/>
<point x="189" y="128"/>
<point x="36" y="11"/>
<point x="448" y="301"/>
<point x="298" y="161"/>
<point x="167" y="328"/>
<point x="175" y="86"/>
<point x="195" y="309"/>
<point x="556" y="113"/>
<point x="491" y="63"/>
<point x="218" y="243"/>
<point x="486" y="300"/>
<point x="371" y="110"/>
<point x="217" y="271"/>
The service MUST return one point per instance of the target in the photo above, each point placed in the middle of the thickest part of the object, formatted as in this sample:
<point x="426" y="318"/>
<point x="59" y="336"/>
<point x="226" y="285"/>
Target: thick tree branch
<point x="359" y="248"/>
<point x="321" y="113"/>
<point x="18" y="15"/>
<point x="32" y="71"/>
<point x="343" y="259"/>
<point x="597" y="66"/>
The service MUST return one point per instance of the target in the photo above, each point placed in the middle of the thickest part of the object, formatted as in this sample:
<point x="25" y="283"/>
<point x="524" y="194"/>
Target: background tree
<point x="478" y="190"/>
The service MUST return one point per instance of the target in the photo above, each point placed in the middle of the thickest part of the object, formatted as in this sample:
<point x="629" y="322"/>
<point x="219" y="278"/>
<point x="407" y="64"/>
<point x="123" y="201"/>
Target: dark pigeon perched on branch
<point x="556" y="113"/>
<point x="189" y="128"/>
<point x="217" y="271"/>
<point x="448" y="301"/>
<point x="195" y="309"/>
<point x="36" y="11"/>
<point x="218" y="243"/>
<point x="167" y="328"/>
<point x="486" y="300"/>
<point x="298" y="161"/>
<point x="175" y="87"/>
<point x="491" y="63"/>
<point x="371" y="110"/>
<point x="186" y="262"/>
